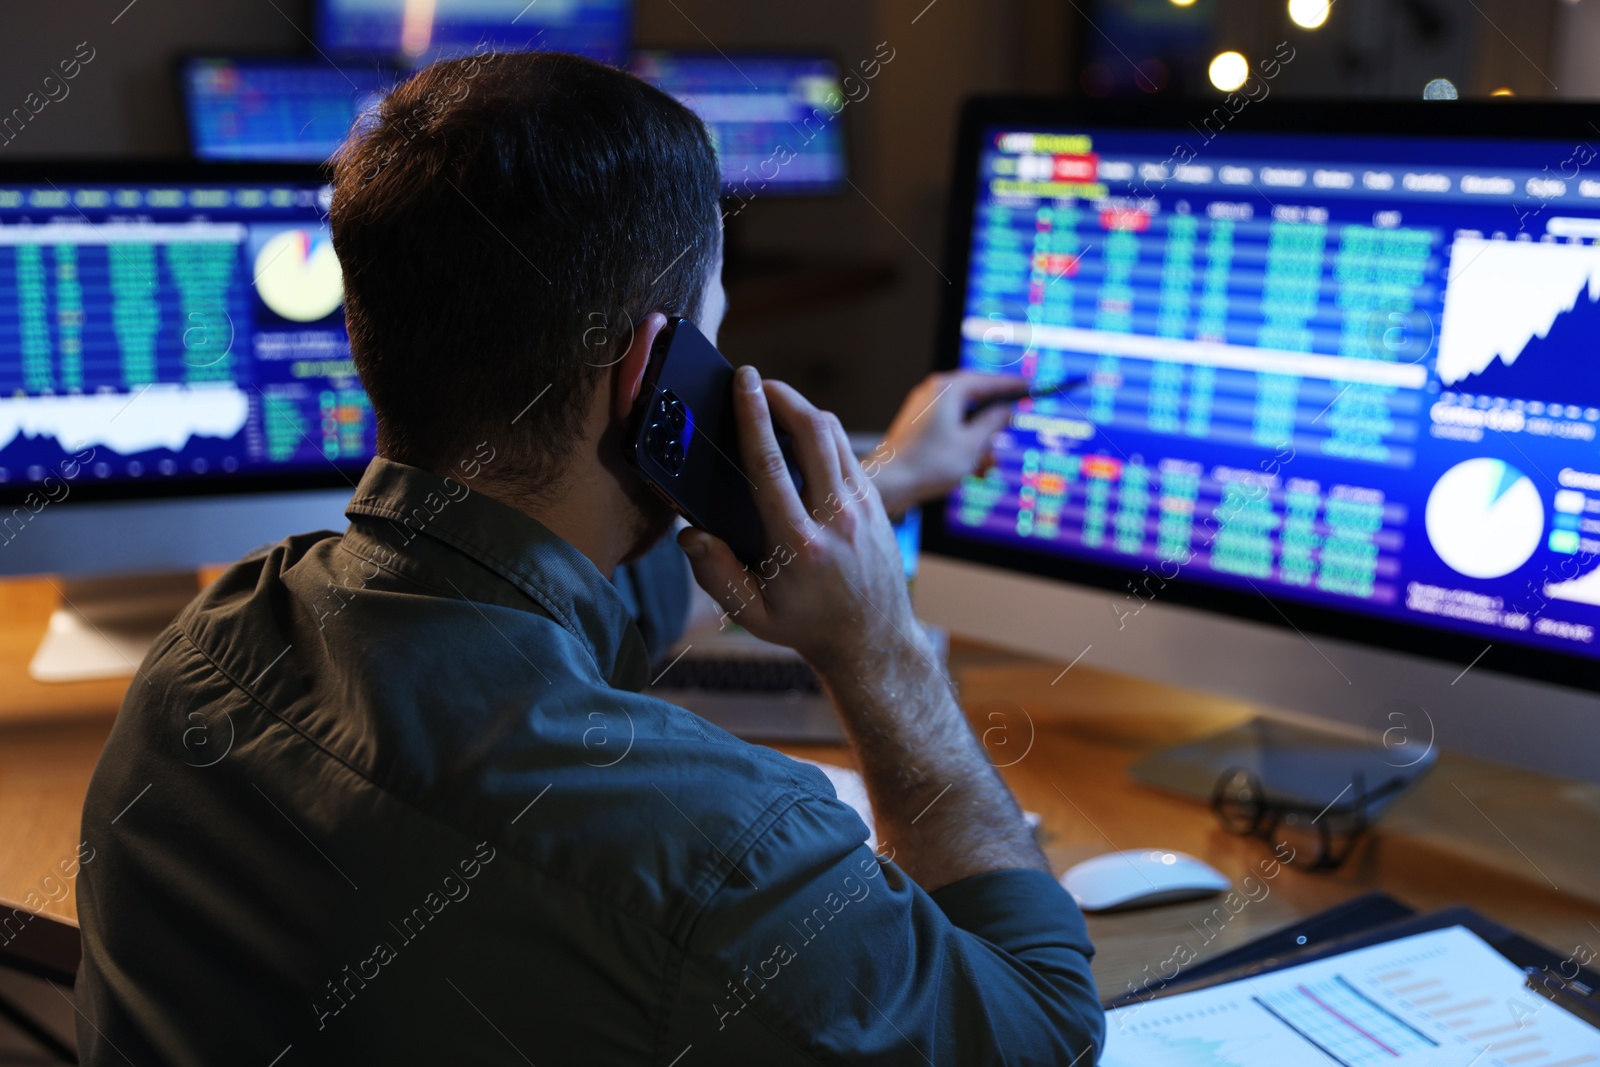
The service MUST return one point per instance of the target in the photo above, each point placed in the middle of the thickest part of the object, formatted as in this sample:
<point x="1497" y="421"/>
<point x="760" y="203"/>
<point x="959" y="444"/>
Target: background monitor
<point x="421" y="33"/>
<point x="1340" y="393"/>
<point x="773" y="118"/>
<point x="275" y="109"/>
<point x="176" y="385"/>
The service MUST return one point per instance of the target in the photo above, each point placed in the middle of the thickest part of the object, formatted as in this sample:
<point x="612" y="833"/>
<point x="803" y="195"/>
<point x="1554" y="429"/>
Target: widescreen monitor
<point x="176" y="386"/>
<point x="243" y="108"/>
<point x="422" y="32"/>
<point x="1326" y="368"/>
<point x="774" y="118"/>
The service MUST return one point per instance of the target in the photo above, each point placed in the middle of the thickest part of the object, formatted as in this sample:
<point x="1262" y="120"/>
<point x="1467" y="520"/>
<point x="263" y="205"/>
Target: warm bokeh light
<point x="416" y="26"/>
<point x="1502" y="91"/>
<point x="1182" y="3"/>
<point x="1309" y="14"/>
<point x="1229" y="70"/>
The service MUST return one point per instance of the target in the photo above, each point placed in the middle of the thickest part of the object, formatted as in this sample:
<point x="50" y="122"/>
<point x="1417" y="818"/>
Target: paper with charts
<point x="1440" y="998"/>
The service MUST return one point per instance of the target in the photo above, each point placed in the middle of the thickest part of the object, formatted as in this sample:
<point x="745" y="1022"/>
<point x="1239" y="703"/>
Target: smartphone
<point x="683" y="441"/>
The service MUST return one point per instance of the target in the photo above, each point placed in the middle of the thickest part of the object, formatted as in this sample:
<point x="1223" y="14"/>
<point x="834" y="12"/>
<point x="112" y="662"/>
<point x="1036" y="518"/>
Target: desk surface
<point x="1519" y="847"/>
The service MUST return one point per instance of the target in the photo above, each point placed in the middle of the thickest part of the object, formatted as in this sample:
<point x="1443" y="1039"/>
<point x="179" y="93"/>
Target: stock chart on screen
<point x="169" y="334"/>
<point x="1355" y="372"/>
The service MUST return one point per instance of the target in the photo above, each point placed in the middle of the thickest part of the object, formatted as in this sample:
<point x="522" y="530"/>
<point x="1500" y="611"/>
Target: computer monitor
<point x="1334" y="446"/>
<point x="176" y="385"/>
<point x="773" y="118"/>
<point x="422" y="32"/>
<point x="275" y="109"/>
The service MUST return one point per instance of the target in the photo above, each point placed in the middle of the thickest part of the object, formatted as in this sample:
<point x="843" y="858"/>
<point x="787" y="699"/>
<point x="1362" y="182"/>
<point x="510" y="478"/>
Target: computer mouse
<point x="1139" y="878"/>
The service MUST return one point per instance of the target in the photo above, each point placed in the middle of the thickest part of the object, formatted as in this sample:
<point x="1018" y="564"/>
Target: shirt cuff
<point x="1016" y="909"/>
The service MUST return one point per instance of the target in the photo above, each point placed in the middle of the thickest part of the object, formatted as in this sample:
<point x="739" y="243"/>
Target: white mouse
<point x="1141" y="877"/>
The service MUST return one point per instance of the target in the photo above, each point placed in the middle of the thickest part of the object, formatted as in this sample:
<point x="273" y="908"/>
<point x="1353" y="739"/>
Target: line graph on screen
<point x="1519" y="319"/>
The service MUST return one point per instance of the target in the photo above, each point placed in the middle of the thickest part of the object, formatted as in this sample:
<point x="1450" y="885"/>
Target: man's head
<point x="510" y="227"/>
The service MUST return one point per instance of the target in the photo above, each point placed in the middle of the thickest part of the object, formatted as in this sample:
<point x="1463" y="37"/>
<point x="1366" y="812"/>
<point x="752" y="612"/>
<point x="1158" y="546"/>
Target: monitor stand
<point x="103" y="627"/>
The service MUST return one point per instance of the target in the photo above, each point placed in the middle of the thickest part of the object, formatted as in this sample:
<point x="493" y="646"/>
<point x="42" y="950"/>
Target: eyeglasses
<point x="1319" y="839"/>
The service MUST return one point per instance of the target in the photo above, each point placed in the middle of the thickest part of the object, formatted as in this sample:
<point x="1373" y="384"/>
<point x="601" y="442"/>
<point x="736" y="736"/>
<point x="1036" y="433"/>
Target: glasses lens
<point x="1299" y="841"/>
<point x="1238" y="801"/>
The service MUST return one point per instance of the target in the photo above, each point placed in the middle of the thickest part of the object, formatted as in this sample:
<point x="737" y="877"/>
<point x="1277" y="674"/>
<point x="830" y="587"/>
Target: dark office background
<point x="857" y="350"/>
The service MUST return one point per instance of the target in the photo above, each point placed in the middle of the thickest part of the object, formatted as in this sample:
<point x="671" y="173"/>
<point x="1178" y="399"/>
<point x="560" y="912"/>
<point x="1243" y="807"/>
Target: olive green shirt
<point x="393" y="796"/>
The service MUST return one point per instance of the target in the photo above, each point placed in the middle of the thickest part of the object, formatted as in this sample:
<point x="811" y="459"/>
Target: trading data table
<point x="1340" y="369"/>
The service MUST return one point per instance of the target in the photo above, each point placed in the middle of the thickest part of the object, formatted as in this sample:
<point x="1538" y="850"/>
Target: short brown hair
<point x="503" y="221"/>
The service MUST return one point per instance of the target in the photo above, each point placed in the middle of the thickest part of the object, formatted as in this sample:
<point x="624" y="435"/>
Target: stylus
<point x="1031" y="393"/>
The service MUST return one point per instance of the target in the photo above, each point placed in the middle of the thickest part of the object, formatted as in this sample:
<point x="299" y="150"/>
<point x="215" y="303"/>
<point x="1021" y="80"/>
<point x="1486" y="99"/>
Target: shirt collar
<point x="510" y="547"/>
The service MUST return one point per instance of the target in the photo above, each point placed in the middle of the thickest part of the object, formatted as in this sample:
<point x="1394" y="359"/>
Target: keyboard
<point x="748" y="675"/>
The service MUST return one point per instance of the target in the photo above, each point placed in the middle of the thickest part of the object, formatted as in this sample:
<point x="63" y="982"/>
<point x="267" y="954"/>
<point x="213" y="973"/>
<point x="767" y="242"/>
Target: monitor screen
<point x="421" y="33"/>
<point x="774" y="119"/>
<point x="291" y="110"/>
<point x="1340" y="376"/>
<point x="164" y="335"/>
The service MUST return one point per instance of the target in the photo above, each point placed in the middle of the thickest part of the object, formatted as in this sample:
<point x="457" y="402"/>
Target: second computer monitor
<point x="775" y="119"/>
<point x="419" y="33"/>
<point x="174" y="330"/>
<point x="275" y="109"/>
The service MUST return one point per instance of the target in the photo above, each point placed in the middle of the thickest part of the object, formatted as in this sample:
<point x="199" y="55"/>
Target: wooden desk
<point x="1519" y="847"/>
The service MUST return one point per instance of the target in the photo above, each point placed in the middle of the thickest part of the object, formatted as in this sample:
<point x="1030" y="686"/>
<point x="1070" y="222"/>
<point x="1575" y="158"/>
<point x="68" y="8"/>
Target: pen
<point x="1031" y="393"/>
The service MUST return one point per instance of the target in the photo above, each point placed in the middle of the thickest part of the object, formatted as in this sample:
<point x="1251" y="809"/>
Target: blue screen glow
<point x="440" y="29"/>
<point x="773" y="119"/>
<point x="287" y="110"/>
<point x="157" y="334"/>
<point x="1343" y="371"/>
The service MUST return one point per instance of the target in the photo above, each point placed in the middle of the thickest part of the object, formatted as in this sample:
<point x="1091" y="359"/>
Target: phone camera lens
<point x="672" y="458"/>
<point x="665" y="447"/>
<point x="672" y="411"/>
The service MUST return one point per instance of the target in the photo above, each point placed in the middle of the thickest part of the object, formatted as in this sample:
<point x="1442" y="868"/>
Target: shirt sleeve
<point x="655" y="588"/>
<point x="814" y="950"/>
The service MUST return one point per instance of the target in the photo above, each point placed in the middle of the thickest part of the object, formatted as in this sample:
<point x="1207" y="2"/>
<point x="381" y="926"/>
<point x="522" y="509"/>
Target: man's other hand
<point x="933" y="444"/>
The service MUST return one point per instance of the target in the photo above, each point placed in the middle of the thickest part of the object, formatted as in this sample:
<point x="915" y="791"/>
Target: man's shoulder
<point x="495" y="724"/>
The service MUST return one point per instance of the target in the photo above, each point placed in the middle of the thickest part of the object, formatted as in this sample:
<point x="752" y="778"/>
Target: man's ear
<point x="630" y="368"/>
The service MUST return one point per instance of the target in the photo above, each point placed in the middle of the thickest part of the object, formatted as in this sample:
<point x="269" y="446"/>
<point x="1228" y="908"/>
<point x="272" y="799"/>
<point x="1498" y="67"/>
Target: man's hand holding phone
<point x="831" y="586"/>
<point x="834" y="590"/>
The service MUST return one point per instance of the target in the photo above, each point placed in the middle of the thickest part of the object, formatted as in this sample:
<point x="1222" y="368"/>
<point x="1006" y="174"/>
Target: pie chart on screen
<point x="1484" y="518"/>
<point x="297" y="275"/>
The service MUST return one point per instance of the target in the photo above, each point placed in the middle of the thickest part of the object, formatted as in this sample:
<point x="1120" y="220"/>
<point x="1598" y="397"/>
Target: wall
<point x="124" y="102"/>
<point x="1575" y="59"/>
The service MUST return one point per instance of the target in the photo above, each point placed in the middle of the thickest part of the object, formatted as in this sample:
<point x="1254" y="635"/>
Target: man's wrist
<point x="879" y="660"/>
<point x="896" y="486"/>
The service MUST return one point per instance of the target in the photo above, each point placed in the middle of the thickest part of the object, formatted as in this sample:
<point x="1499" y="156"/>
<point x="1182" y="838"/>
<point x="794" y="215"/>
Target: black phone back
<point x="683" y="440"/>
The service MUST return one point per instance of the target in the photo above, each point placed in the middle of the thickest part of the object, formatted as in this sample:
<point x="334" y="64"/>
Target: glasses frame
<point x="1244" y="808"/>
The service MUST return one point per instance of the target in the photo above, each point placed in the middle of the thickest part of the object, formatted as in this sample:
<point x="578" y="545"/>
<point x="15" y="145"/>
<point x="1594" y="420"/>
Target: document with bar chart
<point x="1441" y="999"/>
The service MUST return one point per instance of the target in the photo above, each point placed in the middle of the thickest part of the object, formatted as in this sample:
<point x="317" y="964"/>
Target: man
<point x="393" y="796"/>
